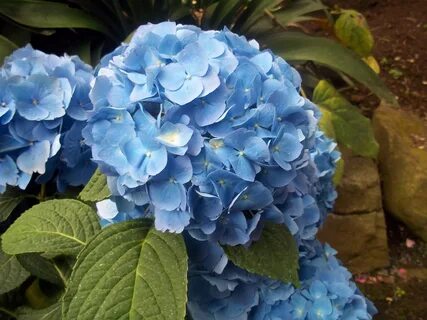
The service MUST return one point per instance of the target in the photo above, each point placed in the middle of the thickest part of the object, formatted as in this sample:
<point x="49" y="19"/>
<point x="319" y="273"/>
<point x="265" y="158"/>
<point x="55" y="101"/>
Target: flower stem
<point x="8" y="312"/>
<point x="42" y="194"/>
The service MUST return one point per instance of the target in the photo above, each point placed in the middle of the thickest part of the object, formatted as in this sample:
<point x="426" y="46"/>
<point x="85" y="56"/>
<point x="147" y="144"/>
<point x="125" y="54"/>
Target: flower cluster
<point x="326" y="292"/>
<point x="203" y="131"/>
<point x="43" y="105"/>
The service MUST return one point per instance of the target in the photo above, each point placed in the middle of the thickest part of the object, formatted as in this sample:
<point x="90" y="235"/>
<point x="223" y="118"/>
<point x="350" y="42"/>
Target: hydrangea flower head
<point x="43" y="103"/>
<point x="201" y="130"/>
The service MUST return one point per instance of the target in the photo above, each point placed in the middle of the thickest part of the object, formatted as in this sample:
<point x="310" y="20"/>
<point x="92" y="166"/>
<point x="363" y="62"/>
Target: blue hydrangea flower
<point x="43" y="98"/>
<point x="213" y="100"/>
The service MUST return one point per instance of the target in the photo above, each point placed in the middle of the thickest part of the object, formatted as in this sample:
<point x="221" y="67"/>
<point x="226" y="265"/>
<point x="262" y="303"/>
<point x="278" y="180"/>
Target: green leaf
<point x="343" y="122"/>
<point x="129" y="271"/>
<point x="6" y="48"/>
<point x="353" y="31"/>
<point x="96" y="189"/>
<point x="9" y="201"/>
<point x="256" y="10"/>
<point x="47" y="14"/>
<point x="54" y="227"/>
<point x="274" y="255"/>
<point x="12" y="274"/>
<point x="50" y="313"/>
<point x="323" y="91"/>
<point x="42" y="268"/>
<point x="296" y="46"/>
<point x="352" y="129"/>
<point x="293" y="10"/>
<point x="224" y="13"/>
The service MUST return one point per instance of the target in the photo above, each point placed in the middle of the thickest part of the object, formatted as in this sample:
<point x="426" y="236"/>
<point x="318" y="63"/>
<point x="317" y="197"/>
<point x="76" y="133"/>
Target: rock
<point x="403" y="166"/>
<point x="357" y="228"/>
<point x="359" y="190"/>
<point x="360" y="240"/>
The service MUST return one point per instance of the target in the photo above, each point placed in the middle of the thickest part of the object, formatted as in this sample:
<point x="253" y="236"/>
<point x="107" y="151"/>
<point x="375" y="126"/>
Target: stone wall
<point x="357" y="227"/>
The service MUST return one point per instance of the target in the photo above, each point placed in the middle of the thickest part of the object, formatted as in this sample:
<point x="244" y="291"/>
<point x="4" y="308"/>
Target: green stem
<point x="8" y="312"/>
<point x="61" y="275"/>
<point x="42" y="194"/>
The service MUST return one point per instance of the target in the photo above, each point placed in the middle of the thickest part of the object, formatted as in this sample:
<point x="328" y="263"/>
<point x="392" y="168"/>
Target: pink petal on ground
<point x="410" y="243"/>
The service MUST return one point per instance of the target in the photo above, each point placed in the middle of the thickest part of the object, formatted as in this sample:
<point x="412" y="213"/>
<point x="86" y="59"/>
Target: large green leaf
<point x="129" y="271"/>
<point x="352" y="29"/>
<point x="296" y="46"/>
<point x="53" y="227"/>
<point x="274" y="255"/>
<point x="6" y="48"/>
<point x="344" y="122"/>
<point x="96" y="189"/>
<point x="12" y="274"/>
<point x="9" y="201"/>
<point x="47" y="14"/>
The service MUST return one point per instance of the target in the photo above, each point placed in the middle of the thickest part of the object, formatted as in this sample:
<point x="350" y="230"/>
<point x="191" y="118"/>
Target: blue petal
<point x="276" y="177"/>
<point x="190" y="90"/>
<point x="318" y="289"/>
<point x="34" y="159"/>
<point x="205" y="207"/>
<point x="193" y="59"/>
<point x="256" y="196"/>
<point x="174" y="135"/>
<point x="207" y="113"/>
<point x="97" y="95"/>
<point x="181" y="169"/>
<point x="263" y="60"/>
<point x="8" y="171"/>
<point x="172" y="221"/>
<point x="210" y="82"/>
<point x="226" y="184"/>
<point x="256" y="149"/>
<point x="243" y="167"/>
<point x="172" y="76"/>
<point x="286" y="149"/>
<point x="107" y="209"/>
<point x="165" y="195"/>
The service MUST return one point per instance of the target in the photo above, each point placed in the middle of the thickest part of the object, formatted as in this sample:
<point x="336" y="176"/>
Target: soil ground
<point x="400" y="31"/>
<point x="399" y="292"/>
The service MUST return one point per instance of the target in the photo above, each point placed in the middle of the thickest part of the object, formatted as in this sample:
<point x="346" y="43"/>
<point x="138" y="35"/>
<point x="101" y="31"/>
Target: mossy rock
<point x="403" y="166"/>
